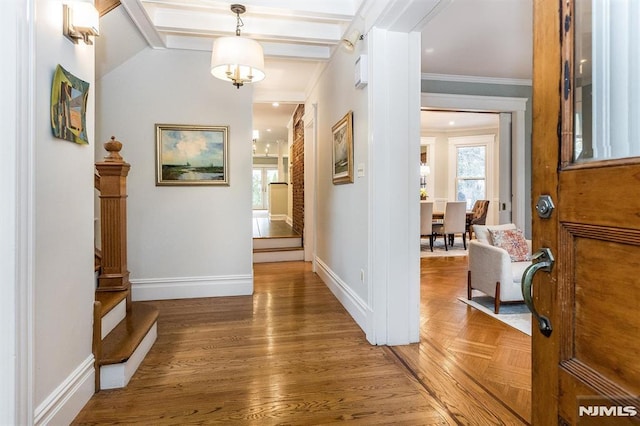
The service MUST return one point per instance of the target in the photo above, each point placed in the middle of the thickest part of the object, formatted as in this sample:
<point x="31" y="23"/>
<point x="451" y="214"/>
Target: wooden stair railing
<point x="113" y="172"/>
<point x="105" y="6"/>
<point x="113" y="286"/>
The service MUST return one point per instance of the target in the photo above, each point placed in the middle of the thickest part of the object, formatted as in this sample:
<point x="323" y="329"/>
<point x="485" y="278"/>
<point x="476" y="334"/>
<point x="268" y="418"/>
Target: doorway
<point x="469" y="155"/>
<point x="462" y="157"/>
<point x="262" y="177"/>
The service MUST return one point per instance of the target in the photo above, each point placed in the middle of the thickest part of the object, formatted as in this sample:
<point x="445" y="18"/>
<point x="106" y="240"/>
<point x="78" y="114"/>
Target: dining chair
<point x="426" y="221"/>
<point x="454" y="222"/>
<point x="480" y="210"/>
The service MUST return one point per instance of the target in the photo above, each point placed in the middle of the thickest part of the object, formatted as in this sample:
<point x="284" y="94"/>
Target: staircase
<point x="123" y="331"/>
<point x="124" y="337"/>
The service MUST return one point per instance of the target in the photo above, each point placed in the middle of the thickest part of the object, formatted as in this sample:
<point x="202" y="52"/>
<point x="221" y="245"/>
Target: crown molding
<point x="476" y="79"/>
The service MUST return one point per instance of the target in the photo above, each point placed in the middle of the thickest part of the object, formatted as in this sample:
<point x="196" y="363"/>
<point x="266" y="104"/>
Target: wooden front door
<point x="586" y="156"/>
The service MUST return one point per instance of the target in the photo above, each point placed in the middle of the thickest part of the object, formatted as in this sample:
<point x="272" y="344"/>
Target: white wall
<point x="342" y="215"/>
<point x="182" y="241"/>
<point x="367" y="237"/>
<point x="64" y="278"/>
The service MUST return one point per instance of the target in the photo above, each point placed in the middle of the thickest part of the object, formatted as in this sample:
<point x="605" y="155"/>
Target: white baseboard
<point x="191" y="287"/>
<point x="118" y="375"/>
<point x="277" y="217"/>
<point x="66" y="401"/>
<point x="289" y="221"/>
<point x="356" y="307"/>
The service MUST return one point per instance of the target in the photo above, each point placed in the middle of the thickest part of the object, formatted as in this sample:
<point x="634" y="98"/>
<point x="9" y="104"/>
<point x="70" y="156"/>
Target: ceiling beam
<point x="141" y="19"/>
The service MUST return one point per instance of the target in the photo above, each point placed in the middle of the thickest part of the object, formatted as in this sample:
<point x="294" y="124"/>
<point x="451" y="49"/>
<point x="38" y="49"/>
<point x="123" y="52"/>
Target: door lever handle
<point x="542" y="261"/>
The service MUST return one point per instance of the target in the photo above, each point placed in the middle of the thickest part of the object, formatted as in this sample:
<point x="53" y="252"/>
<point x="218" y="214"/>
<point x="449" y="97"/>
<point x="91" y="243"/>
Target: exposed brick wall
<point x="297" y="177"/>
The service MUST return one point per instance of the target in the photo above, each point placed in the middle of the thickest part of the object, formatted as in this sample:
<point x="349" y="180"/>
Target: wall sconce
<point x="80" y="20"/>
<point x="425" y="171"/>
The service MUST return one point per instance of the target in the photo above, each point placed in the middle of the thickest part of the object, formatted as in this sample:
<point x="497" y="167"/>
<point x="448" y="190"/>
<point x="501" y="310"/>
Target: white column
<point x="394" y="179"/>
<point x="17" y="34"/>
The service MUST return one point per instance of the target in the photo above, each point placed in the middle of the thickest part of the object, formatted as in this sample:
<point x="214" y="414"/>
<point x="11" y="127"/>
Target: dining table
<point x="440" y="215"/>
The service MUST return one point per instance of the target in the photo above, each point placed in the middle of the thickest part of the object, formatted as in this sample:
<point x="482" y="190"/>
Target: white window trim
<point x="475" y="140"/>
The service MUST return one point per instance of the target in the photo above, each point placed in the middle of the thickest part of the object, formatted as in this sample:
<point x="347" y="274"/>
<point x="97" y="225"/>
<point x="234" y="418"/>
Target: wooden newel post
<point x="113" y="173"/>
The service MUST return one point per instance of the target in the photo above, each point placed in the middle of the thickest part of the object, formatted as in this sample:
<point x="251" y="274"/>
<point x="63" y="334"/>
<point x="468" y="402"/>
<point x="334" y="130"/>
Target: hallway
<point x="291" y="355"/>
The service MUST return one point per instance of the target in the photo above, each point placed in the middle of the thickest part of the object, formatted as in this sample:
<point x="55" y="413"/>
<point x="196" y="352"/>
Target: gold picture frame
<point x="342" y="150"/>
<point x="188" y="155"/>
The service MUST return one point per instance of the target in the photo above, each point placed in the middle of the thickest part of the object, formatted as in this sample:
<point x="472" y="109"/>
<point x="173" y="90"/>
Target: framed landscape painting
<point x="342" y="133"/>
<point x="192" y="155"/>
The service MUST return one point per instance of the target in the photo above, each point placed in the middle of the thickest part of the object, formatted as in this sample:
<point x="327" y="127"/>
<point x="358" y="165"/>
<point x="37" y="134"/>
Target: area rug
<point x="438" y="248"/>
<point x="515" y="315"/>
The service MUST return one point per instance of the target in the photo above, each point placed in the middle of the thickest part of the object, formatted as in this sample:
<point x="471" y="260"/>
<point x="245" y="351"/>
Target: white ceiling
<point x="471" y="38"/>
<point x="449" y="121"/>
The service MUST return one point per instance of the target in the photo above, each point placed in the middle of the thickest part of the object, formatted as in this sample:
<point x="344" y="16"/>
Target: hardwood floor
<point x="292" y="355"/>
<point x="265" y="228"/>
<point x="488" y="359"/>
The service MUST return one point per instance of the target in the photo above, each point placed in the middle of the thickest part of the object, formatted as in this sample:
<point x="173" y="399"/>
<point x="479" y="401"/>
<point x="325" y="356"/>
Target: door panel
<point x="262" y="177"/>
<point x="588" y="370"/>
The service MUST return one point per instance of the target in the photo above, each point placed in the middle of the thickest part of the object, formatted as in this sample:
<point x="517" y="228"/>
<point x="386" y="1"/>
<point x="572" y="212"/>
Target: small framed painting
<point x="342" y="133"/>
<point x="69" y="107"/>
<point x="192" y="155"/>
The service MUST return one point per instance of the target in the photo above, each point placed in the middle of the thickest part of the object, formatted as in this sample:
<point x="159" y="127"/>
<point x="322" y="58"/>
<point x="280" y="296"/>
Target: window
<point x="471" y="174"/>
<point x="471" y="168"/>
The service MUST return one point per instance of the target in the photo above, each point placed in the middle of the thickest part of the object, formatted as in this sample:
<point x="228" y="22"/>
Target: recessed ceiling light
<point x="268" y="130"/>
<point x="451" y="123"/>
<point x="275" y="104"/>
<point x="429" y="50"/>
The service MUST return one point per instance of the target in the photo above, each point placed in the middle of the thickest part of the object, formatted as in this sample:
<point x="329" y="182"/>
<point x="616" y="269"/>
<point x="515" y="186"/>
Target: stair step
<point x="277" y="242"/>
<point x="276" y="249"/>
<point x="114" y="376"/>
<point x="123" y="340"/>
<point x="278" y="255"/>
<point x="110" y="299"/>
<point x="113" y="309"/>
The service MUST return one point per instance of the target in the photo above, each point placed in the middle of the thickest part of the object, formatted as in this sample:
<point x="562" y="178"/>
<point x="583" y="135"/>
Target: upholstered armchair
<point x="480" y="210"/>
<point x="491" y="268"/>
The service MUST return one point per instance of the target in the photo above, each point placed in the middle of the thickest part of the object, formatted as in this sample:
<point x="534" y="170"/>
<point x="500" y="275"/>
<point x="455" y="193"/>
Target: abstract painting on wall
<point x="191" y="155"/>
<point x="69" y="107"/>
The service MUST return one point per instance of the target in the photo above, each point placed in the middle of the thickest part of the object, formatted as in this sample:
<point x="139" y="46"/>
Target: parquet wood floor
<point x="292" y="355"/>
<point x="489" y="354"/>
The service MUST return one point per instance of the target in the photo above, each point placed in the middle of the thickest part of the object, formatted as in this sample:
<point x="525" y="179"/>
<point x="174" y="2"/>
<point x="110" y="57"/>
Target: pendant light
<point x="237" y="59"/>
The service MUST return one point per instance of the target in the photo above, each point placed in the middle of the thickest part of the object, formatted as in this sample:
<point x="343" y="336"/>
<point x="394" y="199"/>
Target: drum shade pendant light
<point x="237" y="59"/>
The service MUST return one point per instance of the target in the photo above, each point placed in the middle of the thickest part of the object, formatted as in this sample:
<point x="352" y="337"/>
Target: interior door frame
<point x="517" y="107"/>
<point x="265" y="193"/>
<point x="545" y="159"/>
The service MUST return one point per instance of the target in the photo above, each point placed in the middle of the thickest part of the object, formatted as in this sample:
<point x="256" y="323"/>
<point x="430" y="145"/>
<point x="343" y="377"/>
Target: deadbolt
<point x="545" y="206"/>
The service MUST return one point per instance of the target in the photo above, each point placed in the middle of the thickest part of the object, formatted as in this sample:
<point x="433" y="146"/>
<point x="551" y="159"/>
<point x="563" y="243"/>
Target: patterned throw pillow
<point x="513" y="241"/>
